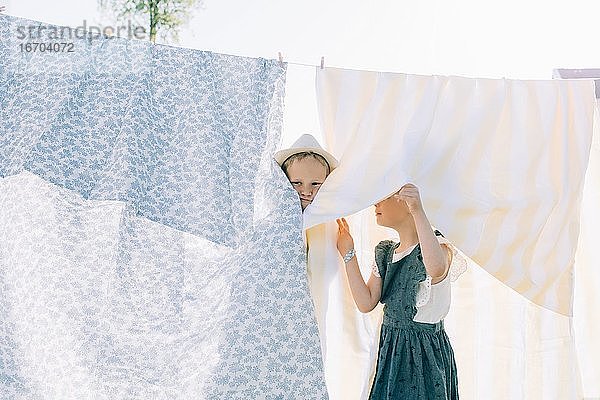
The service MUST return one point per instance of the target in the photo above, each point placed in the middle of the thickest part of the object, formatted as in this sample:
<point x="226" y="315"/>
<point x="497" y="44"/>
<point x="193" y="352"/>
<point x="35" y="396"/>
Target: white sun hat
<point x="304" y="143"/>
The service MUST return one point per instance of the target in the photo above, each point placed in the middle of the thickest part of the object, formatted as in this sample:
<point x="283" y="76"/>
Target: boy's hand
<point x="409" y="193"/>
<point x="345" y="243"/>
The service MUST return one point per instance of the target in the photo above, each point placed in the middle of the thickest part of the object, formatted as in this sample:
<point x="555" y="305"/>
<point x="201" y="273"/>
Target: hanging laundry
<point x="500" y="165"/>
<point x="150" y="245"/>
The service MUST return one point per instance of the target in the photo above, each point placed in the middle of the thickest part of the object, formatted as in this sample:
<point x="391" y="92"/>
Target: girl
<point x="415" y="359"/>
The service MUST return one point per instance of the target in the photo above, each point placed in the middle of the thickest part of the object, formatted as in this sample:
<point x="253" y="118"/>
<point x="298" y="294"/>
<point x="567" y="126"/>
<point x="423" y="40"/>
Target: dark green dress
<point x="415" y="359"/>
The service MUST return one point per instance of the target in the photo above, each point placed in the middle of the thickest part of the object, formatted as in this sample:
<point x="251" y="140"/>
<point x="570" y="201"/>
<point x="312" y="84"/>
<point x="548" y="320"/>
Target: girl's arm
<point x="366" y="296"/>
<point x="435" y="258"/>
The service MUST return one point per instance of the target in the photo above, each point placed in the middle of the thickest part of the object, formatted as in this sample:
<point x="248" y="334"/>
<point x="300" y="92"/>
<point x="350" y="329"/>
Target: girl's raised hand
<point x="345" y="243"/>
<point x="409" y="193"/>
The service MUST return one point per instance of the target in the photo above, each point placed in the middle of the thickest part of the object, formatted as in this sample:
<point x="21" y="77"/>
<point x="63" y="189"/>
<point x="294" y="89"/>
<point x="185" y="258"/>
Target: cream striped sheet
<point x="500" y="164"/>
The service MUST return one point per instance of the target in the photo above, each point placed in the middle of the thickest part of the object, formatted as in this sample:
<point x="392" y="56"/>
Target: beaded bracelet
<point x="349" y="255"/>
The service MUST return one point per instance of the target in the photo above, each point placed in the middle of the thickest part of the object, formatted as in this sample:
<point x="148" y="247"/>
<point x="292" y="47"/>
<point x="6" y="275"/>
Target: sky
<point x="518" y="39"/>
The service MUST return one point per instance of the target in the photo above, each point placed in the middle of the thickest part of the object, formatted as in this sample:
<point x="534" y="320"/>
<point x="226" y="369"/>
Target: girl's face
<point x="391" y="212"/>
<point x="306" y="176"/>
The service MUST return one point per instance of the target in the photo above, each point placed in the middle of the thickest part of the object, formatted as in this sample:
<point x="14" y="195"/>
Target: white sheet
<point x="501" y="167"/>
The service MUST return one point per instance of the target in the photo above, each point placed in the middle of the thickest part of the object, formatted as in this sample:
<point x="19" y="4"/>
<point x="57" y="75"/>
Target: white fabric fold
<point x="501" y="165"/>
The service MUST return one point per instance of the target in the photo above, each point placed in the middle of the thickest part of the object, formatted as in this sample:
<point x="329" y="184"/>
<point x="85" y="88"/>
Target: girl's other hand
<point x="409" y="193"/>
<point x="345" y="243"/>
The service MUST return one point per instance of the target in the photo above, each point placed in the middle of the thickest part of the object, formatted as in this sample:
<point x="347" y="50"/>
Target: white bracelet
<point x="349" y="255"/>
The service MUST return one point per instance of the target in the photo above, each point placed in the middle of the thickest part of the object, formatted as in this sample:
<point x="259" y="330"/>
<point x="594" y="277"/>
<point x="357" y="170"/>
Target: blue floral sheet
<point x="150" y="248"/>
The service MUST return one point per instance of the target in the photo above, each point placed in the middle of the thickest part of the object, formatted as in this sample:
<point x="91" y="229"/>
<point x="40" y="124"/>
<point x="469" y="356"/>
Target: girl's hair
<point x="301" y="156"/>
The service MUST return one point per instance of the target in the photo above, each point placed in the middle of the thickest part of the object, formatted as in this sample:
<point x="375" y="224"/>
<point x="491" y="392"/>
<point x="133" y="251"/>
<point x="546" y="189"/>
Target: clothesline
<point x="322" y="65"/>
<point x="583" y="74"/>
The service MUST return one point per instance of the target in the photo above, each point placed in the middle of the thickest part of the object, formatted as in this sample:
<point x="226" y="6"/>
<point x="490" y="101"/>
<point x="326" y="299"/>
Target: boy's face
<point x="307" y="176"/>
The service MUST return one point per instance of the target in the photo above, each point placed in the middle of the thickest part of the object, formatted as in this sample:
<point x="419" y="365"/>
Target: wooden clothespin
<point x="280" y="58"/>
<point x="322" y="62"/>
